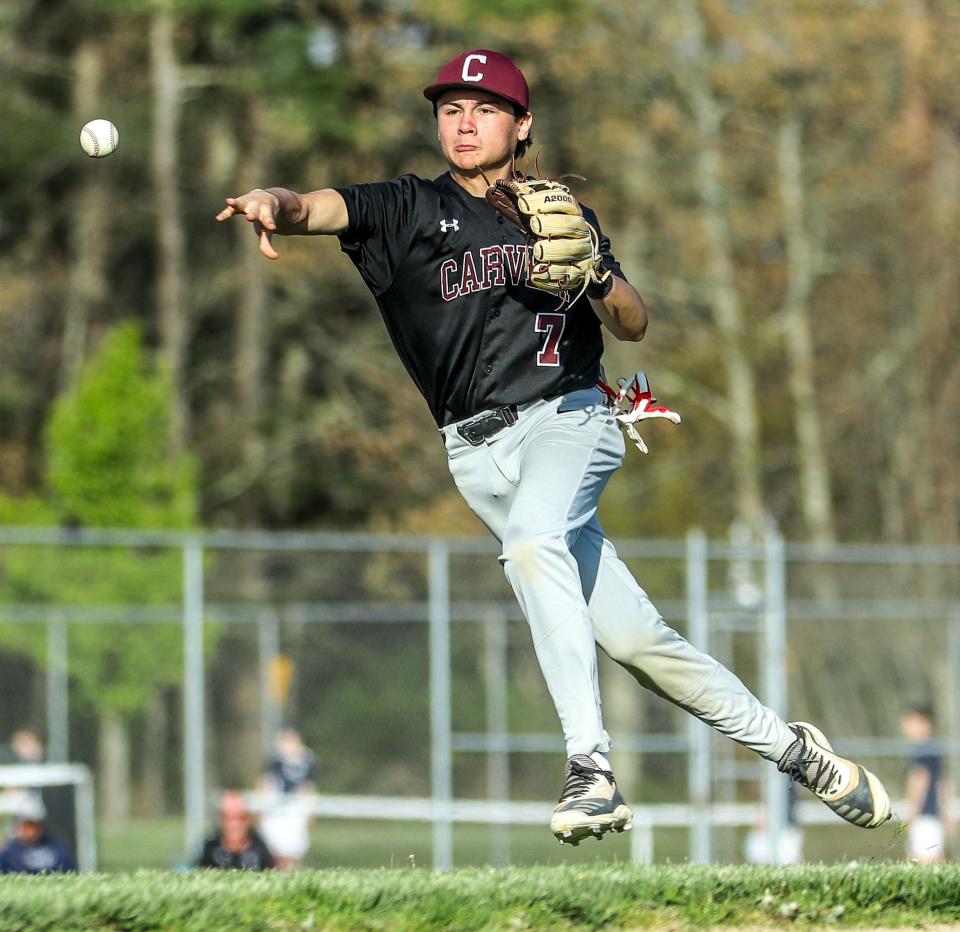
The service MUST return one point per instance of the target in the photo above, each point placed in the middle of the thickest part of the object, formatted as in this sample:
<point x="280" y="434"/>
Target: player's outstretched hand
<point x="260" y="208"/>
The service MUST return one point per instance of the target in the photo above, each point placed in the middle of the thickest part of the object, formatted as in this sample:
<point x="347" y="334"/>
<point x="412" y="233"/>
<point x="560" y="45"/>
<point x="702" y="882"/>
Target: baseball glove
<point x="564" y="254"/>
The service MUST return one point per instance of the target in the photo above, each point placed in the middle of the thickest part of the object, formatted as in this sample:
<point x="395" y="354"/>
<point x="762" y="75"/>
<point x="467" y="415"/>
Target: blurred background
<point x="782" y="184"/>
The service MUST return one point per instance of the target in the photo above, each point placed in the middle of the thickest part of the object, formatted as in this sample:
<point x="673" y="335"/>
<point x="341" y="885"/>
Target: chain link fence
<point x="166" y="662"/>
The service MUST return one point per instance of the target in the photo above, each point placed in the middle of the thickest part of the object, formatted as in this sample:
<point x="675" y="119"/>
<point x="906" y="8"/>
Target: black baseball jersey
<point x="255" y="857"/>
<point x="448" y="273"/>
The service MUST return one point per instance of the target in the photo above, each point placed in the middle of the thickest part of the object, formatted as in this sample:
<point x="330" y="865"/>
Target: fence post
<point x="194" y="781"/>
<point x="58" y="695"/>
<point x="268" y="649"/>
<point x="953" y="697"/>
<point x="441" y="756"/>
<point x="699" y="776"/>
<point x="86" y="825"/>
<point x="498" y="758"/>
<point x="641" y="840"/>
<point x="776" y="784"/>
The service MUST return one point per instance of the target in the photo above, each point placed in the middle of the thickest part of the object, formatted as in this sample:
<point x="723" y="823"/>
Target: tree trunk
<point x="915" y="116"/>
<point x="171" y="264"/>
<point x="945" y="403"/>
<point x="293" y="378"/>
<point x="87" y="273"/>
<point x="920" y="309"/>
<point x="251" y="347"/>
<point x="741" y="416"/>
<point x="813" y="460"/>
<point x="944" y="198"/>
<point x="153" y="783"/>
<point x="113" y="773"/>
<point x="235" y="717"/>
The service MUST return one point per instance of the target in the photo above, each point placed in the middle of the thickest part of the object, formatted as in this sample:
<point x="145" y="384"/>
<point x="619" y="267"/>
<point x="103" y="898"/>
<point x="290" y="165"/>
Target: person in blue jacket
<point x="32" y="850"/>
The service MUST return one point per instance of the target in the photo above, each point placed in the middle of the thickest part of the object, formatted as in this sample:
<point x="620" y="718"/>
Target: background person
<point x="25" y="747"/>
<point x="32" y="850"/>
<point x="236" y="845"/>
<point x="926" y="792"/>
<point x="289" y="780"/>
<point x="59" y="802"/>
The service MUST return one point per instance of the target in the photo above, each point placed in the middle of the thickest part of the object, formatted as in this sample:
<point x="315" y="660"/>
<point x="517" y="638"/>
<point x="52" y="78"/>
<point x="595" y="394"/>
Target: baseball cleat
<point x="851" y="791"/>
<point x="590" y="804"/>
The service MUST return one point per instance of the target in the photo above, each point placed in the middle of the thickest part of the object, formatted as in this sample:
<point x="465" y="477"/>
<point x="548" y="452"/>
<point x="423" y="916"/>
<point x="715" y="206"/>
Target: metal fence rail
<point x="646" y="818"/>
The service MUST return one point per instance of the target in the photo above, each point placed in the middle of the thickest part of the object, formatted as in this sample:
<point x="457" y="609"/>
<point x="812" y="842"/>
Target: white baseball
<point x="99" y="138"/>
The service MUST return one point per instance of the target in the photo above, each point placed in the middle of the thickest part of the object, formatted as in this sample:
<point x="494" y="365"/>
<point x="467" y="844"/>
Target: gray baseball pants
<point x="536" y="485"/>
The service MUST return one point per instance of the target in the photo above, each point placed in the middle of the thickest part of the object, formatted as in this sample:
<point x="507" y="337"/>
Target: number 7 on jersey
<point x="552" y="325"/>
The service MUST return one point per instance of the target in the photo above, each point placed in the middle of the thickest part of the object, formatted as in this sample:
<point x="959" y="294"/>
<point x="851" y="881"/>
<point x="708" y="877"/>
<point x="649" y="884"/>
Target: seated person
<point x="32" y="850"/>
<point x="237" y="844"/>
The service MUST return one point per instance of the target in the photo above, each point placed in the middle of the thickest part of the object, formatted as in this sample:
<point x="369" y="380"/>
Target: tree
<point x="109" y="466"/>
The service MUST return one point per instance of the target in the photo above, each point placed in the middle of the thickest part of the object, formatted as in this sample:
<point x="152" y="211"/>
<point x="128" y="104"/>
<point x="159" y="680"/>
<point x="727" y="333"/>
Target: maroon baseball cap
<point x="482" y="69"/>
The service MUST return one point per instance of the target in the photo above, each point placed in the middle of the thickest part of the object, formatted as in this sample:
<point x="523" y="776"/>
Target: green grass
<point x="572" y="897"/>
<point x="158" y="843"/>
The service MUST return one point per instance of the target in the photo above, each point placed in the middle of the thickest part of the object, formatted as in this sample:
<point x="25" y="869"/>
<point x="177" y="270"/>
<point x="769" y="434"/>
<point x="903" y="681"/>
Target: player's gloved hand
<point x="260" y="207"/>
<point x="565" y="248"/>
<point x="635" y="402"/>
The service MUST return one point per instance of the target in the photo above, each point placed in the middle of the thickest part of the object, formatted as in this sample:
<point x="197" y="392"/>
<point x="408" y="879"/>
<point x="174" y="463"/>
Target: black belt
<point x="478" y="429"/>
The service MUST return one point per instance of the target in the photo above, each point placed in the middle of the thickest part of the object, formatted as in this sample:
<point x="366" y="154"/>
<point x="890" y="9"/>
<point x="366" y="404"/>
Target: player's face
<point x="478" y="129"/>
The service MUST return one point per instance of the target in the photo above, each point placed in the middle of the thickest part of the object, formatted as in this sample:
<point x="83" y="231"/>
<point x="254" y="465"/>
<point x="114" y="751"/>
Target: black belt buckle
<point x="481" y="428"/>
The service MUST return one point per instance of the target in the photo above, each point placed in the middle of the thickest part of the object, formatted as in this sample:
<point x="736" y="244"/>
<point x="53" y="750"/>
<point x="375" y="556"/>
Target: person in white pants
<point x="510" y="372"/>
<point x="536" y="486"/>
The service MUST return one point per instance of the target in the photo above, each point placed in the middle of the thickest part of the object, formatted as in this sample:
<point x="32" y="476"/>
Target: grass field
<point x="158" y="843"/>
<point x="876" y="896"/>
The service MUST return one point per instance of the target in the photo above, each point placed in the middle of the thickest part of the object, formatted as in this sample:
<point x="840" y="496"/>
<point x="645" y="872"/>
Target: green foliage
<point x="109" y="462"/>
<point x="475" y="22"/>
<point x="588" y="897"/>
<point x="109" y="465"/>
<point x="328" y="93"/>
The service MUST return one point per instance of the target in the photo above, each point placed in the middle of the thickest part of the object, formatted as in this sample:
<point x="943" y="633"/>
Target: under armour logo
<point x="449" y="225"/>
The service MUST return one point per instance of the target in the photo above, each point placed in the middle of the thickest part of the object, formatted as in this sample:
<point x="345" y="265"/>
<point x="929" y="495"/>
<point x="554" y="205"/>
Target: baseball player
<point x="503" y="337"/>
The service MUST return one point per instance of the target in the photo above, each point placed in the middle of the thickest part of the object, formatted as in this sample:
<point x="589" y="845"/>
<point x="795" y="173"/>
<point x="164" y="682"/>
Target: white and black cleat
<point x="590" y="804"/>
<point x="850" y="790"/>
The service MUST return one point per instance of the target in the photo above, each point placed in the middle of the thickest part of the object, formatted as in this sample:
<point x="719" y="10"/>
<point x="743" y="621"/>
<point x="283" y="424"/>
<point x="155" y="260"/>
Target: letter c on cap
<point x="465" y="74"/>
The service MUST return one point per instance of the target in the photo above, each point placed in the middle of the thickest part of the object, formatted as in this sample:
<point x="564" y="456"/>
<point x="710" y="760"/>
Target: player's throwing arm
<point x="279" y="210"/>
